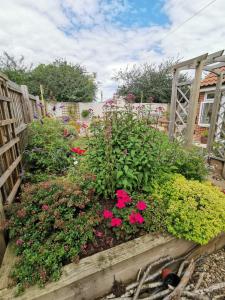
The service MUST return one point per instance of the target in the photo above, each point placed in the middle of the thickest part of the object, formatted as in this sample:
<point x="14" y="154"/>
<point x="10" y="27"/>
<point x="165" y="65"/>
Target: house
<point x="205" y="105"/>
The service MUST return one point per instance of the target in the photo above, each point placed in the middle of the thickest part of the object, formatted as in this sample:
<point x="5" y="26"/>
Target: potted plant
<point x="204" y="136"/>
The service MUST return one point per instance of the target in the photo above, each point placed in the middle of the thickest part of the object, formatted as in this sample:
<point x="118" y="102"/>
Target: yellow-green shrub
<point x="195" y="210"/>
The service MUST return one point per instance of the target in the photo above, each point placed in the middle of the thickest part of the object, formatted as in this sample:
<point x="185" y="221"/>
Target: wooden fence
<point x="17" y="109"/>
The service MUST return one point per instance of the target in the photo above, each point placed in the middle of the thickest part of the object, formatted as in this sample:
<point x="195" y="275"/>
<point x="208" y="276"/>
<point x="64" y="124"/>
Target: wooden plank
<point x="215" y="111"/>
<point x="13" y="191"/>
<point x="20" y="129"/>
<point x="8" y="261"/>
<point x="186" y="64"/>
<point x="211" y="58"/>
<point x="7" y="146"/>
<point x="193" y="105"/>
<point x="214" y="67"/>
<point x="4" y="98"/>
<point x="173" y="104"/>
<point x="27" y="100"/>
<point x="8" y="172"/>
<point x="184" y="83"/>
<point x="7" y="122"/>
<point x="2" y="237"/>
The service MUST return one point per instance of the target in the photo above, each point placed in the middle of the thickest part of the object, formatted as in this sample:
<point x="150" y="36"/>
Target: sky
<point x="108" y="35"/>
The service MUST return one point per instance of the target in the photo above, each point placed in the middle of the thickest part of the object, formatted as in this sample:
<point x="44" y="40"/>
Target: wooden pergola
<point x="184" y="102"/>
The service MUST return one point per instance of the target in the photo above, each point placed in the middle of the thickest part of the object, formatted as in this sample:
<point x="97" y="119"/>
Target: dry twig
<point x="161" y="260"/>
<point x="184" y="281"/>
<point x="158" y="295"/>
<point x="194" y="296"/>
<point x="200" y="279"/>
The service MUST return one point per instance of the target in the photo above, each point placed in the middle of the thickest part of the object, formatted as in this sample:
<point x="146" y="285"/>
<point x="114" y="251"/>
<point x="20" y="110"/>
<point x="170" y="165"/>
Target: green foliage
<point x="63" y="81"/>
<point x="125" y="152"/>
<point x="47" y="150"/>
<point x="60" y="80"/>
<point x="15" y="68"/>
<point x="195" y="210"/>
<point x="147" y="82"/>
<point x="50" y="226"/>
<point x="85" y="113"/>
<point x="191" y="163"/>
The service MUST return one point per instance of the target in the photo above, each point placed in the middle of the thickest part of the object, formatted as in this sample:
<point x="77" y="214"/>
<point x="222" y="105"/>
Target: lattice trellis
<point x="218" y="145"/>
<point x="184" y="103"/>
<point x="181" y="112"/>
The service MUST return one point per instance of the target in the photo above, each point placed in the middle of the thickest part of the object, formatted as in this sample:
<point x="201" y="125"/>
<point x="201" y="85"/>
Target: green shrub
<point x="126" y="152"/>
<point x="195" y="210"/>
<point x="50" y="226"/>
<point x="47" y="150"/>
<point x="191" y="163"/>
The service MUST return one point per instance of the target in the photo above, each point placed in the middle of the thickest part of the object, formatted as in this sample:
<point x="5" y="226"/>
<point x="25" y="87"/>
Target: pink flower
<point x="136" y="218"/>
<point x="132" y="218"/>
<point x="139" y="218"/>
<point x="120" y="204"/>
<point x="45" y="207"/>
<point x="141" y="205"/>
<point x="116" y="222"/>
<point x="107" y="214"/>
<point x="19" y="242"/>
<point x="122" y="195"/>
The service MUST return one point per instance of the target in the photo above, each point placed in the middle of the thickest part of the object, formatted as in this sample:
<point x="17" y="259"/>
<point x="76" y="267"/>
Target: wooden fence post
<point x="39" y="110"/>
<point x="26" y="98"/>
<point x="193" y="104"/>
<point x="2" y="237"/>
<point x="173" y="104"/>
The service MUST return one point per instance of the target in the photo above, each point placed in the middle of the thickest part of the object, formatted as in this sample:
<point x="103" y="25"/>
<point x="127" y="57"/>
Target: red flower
<point x="139" y="218"/>
<point x="141" y="205"/>
<point x="45" y="207"/>
<point x="78" y="151"/>
<point x="107" y="214"/>
<point x="122" y="195"/>
<point x="136" y="218"/>
<point x="132" y="218"/>
<point x="19" y="242"/>
<point x="120" y="203"/>
<point x="116" y="222"/>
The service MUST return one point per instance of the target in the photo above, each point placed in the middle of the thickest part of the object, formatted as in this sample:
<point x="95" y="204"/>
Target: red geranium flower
<point x="107" y="214"/>
<point x="116" y="222"/>
<point x="136" y="218"/>
<point x="141" y="205"/>
<point x="78" y="150"/>
<point x="120" y="203"/>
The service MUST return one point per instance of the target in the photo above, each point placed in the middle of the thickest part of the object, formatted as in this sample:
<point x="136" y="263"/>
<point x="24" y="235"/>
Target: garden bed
<point x="93" y="276"/>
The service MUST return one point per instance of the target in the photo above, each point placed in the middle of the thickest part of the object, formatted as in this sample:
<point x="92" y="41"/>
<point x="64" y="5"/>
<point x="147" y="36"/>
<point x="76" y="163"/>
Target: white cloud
<point x="34" y="28"/>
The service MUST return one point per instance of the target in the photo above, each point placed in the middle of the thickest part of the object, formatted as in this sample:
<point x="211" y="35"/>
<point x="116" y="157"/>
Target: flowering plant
<point x="126" y="214"/>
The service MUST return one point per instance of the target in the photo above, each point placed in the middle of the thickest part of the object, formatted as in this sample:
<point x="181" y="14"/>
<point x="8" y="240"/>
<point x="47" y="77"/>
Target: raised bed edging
<point x="93" y="276"/>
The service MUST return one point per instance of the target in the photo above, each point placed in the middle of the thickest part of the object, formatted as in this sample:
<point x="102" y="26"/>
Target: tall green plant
<point x="126" y="152"/>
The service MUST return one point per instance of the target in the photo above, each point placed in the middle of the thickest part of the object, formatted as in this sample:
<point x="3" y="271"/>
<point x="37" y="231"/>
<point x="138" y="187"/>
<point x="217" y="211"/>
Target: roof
<point x="211" y="79"/>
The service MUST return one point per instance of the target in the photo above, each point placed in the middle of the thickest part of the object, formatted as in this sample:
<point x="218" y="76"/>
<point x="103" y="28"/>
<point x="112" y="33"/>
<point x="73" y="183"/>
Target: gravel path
<point x="213" y="267"/>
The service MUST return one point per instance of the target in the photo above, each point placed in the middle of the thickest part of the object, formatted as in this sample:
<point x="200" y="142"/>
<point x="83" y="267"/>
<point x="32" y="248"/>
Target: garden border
<point x="93" y="276"/>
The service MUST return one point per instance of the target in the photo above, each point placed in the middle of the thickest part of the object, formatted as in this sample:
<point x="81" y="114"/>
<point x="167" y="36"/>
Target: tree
<point x="61" y="81"/>
<point x="15" y="68"/>
<point x="147" y="82"/>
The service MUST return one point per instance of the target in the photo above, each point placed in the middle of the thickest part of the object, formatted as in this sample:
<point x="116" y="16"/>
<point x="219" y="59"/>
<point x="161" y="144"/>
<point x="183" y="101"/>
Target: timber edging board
<point x="93" y="276"/>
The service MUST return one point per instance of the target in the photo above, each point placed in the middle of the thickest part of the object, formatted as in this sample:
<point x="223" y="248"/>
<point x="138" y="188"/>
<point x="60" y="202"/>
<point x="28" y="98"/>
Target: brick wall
<point x="198" y="129"/>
